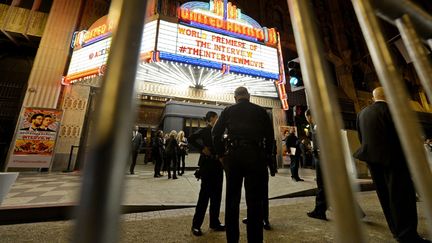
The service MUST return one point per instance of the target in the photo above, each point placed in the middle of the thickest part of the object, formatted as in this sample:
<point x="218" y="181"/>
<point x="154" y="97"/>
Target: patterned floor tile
<point x="17" y="200"/>
<point x="30" y="194"/>
<point x="46" y="199"/>
<point x="41" y="189"/>
<point x="55" y="193"/>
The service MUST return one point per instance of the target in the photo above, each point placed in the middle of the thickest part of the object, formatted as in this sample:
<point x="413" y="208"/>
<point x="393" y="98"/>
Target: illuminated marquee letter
<point x="219" y="7"/>
<point x="232" y="11"/>
<point x="184" y="14"/>
<point x="220" y="23"/>
<point x="230" y="26"/>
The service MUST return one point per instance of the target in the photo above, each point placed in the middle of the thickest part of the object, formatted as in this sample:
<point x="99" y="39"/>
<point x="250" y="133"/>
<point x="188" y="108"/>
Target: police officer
<point x="250" y="138"/>
<point x="319" y="212"/>
<point x="211" y="175"/>
<point x="272" y="165"/>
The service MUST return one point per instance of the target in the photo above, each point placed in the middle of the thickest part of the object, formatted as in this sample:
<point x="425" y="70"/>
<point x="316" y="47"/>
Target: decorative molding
<point x="70" y="131"/>
<point x="197" y="94"/>
<point x="71" y="103"/>
<point x="279" y="119"/>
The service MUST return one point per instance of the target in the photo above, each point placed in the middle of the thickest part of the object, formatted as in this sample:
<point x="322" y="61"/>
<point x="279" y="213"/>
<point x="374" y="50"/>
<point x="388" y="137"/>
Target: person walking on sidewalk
<point x="211" y="175"/>
<point x="171" y="151"/>
<point x="183" y="146"/>
<point x="137" y="140"/>
<point x="294" y="152"/>
<point x="383" y="153"/>
<point x="158" y="153"/>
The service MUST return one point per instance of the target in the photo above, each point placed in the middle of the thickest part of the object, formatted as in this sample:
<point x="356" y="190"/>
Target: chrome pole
<point x="327" y="115"/>
<point x="104" y="170"/>
<point x="404" y="118"/>
<point x="390" y="10"/>
<point x="417" y="52"/>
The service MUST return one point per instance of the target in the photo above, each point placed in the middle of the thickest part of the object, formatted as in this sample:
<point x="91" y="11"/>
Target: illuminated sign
<point x="90" y="60"/>
<point x="99" y="30"/>
<point x="211" y="47"/>
<point x="223" y="15"/>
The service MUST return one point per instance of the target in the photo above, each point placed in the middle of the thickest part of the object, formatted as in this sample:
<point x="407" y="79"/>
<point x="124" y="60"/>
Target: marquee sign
<point x="215" y="50"/>
<point x="222" y="15"/>
<point x="214" y="35"/>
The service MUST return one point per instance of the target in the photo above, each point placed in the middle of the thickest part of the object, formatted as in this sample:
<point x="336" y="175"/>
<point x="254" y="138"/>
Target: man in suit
<point x="36" y="122"/>
<point x="382" y="151"/>
<point x="250" y="138"/>
<point x="137" y="140"/>
<point x="292" y="142"/>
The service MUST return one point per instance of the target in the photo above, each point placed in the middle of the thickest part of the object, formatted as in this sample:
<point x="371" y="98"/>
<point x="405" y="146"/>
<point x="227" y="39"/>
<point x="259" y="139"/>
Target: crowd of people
<point x="168" y="152"/>
<point x="241" y="143"/>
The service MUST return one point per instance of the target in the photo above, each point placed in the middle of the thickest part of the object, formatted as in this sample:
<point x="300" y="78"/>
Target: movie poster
<point x="35" y="138"/>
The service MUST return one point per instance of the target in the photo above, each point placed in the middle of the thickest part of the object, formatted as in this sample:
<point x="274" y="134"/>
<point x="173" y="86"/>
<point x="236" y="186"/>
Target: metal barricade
<point x="328" y="117"/>
<point x="326" y="112"/>
<point x="405" y="120"/>
<point x="101" y="195"/>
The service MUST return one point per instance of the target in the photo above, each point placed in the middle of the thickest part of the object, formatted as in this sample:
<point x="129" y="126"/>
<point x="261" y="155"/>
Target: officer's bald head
<point x="241" y="93"/>
<point x="378" y="94"/>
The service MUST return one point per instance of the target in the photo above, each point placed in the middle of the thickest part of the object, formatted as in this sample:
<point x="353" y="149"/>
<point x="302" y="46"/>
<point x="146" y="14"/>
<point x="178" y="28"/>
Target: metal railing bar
<point x="417" y="52"/>
<point x="104" y="170"/>
<point x="390" y="10"/>
<point x="327" y="115"/>
<point x="404" y="118"/>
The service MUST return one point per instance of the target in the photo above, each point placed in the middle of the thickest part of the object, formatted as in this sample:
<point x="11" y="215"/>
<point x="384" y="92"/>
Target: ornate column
<point x="74" y="106"/>
<point x="279" y="119"/>
<point x="44" y="84"/>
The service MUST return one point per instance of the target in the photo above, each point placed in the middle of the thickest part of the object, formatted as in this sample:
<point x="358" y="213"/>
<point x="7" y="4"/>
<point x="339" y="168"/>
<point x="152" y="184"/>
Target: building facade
<point x="37" y="52"/>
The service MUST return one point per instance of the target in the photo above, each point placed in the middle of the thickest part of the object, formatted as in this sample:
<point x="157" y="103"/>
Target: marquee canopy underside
<point x="186" y="76"/>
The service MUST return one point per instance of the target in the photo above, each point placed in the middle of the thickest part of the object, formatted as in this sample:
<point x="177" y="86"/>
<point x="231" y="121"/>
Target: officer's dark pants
<point x="134" y="159"/>
<point x="245" y="162"/>
<point x="294" y="166"/>
<point x="397" y="197"/>
<point x="211" y="190"/>
<point x="320" y="199"/>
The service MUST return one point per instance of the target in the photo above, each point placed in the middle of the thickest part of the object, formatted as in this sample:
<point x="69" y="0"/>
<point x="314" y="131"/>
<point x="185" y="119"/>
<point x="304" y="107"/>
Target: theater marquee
<point x="212" y="46"/>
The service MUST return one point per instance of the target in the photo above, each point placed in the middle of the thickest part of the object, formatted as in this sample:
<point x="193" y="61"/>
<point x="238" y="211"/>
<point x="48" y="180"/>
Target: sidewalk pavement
<point x="47" y="189"/>
<point x="287" y="216"/>
<point x="40" y="189"/>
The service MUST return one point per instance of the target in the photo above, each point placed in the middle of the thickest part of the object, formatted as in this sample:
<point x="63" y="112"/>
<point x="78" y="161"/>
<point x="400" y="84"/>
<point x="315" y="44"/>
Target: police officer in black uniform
<point x="272" y="165"/>
<point x="319" y="212"/>
<point x="243" y="154"/>
<point x="211" y="175"/>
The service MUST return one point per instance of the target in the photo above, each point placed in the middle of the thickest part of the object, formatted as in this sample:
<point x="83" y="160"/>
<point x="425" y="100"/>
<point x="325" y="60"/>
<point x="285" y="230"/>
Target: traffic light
<point x="294" y="71"/>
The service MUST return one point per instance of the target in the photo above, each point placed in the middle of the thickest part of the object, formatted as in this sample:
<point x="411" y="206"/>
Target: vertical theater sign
<point x="210" y="48"/>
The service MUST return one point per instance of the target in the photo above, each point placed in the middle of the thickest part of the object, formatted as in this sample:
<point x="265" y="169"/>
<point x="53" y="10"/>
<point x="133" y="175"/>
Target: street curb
<point x="57" y="212"/>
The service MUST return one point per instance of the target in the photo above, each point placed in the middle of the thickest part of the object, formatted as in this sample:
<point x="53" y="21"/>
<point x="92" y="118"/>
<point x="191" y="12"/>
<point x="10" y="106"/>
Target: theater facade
<point x="188" y="65"/>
